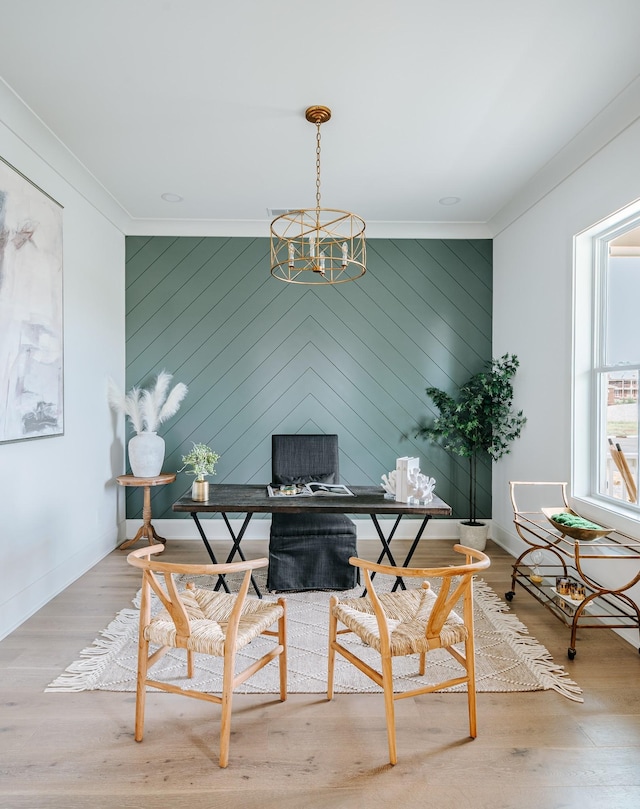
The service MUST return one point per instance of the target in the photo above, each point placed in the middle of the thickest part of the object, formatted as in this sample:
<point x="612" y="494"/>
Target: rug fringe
<point x="88" y="671"/>
<point x="532" y="652"/>
<point x="83" y="673"/>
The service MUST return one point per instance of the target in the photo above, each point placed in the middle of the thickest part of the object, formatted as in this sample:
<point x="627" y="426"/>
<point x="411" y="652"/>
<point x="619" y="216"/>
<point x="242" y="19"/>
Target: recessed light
<point x="449" y="200"/>
<point x="171" y="197"/>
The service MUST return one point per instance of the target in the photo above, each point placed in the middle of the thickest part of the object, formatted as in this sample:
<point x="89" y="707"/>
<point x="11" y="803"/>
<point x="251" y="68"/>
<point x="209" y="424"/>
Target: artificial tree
<point x="480" y="421"/>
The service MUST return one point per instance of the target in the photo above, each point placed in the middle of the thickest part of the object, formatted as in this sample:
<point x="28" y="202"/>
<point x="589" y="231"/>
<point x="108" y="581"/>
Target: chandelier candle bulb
<point x="292" y="255"/>
<point x="344" y="254"/>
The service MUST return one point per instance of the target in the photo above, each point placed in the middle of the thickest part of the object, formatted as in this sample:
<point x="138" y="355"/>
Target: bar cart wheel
<point x="509" y="595"/>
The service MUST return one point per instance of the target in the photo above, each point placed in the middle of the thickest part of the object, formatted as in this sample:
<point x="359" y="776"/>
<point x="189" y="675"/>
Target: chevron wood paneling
<point x="260" y="356"/>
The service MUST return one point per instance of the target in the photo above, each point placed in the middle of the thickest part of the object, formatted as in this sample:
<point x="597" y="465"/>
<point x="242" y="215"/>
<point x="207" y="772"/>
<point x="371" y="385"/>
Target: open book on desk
<point x="312" y="489"/>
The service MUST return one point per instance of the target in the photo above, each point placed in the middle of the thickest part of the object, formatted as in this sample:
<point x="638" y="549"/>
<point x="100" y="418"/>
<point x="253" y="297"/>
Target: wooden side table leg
<point x="146" y="530"/>
<point x="129" y="542"/>
<point x="156" y="536"/>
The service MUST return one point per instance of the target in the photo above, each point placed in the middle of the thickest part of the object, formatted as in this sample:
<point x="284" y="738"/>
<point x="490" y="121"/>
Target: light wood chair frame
<point x="448" y="596"/>
<point x="171" y="601"/>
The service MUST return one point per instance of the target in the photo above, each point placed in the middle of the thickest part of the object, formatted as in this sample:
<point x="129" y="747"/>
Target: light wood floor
<point x="76" y="751"/>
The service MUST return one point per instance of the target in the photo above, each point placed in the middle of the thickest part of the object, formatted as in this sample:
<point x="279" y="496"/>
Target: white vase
<point x="473" y="536"/>
<point x="146" y="454"/>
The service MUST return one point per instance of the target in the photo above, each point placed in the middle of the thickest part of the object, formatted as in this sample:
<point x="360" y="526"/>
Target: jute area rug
<point x="508" y="659"/>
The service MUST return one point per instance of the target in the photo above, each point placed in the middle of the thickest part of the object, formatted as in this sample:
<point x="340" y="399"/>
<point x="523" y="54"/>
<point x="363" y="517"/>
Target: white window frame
<point x="589" y="303"/>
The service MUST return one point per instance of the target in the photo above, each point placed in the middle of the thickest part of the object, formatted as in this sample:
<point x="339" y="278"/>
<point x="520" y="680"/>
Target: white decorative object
<point x="405" y="467"/>
<point x="389" y="483"/>
<point x="413" y="469"/>
<point x="146" y="454"/>
<point x="147" y="410"/>
<point x="401" y="479"/>
<point x="419" y="487"/>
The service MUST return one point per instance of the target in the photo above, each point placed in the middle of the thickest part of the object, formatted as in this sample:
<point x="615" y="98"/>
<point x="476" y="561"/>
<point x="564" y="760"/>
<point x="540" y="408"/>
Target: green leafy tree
<point x="480" y="421"/>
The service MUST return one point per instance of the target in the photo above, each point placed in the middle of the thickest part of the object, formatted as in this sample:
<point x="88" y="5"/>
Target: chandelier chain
<point x="318" y="170"/>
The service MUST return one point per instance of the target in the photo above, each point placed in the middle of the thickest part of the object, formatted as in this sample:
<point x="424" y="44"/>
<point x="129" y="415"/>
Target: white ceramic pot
<point x="146" y="454"/>
<point x="473" y="536"/>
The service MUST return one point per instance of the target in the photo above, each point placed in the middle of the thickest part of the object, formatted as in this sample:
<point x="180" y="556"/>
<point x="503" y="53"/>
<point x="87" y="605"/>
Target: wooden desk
<point x="146" y="529"/>
<point x="249" y="500"/>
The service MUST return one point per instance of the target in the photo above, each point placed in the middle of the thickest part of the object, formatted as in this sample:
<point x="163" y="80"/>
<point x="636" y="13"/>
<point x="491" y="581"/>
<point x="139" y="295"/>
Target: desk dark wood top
<point x="230" y="497"/>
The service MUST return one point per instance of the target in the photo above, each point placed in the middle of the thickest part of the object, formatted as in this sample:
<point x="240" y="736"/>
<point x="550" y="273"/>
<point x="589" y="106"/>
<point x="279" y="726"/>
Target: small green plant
<point x="201" y="461"/>
<point x="479" y="422"/>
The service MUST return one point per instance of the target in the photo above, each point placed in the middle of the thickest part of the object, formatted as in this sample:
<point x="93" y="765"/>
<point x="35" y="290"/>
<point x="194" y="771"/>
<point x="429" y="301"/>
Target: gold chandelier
<point x="321" y="245"/>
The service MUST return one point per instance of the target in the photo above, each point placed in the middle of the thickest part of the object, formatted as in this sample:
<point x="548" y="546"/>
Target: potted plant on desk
<point x="479" y="422"/>
<point x="200" y="461"/>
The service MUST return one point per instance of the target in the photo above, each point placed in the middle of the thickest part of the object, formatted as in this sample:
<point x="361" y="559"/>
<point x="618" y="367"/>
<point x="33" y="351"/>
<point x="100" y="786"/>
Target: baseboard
<point x="507" y="540"/>
<point x="258" y="529"/>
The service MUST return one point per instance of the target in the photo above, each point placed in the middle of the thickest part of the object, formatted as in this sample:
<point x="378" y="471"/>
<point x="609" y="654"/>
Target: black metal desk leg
<point x="236" y="546"/>
<point x="386" y="550"/>
<point x="212" y="556"/>
<point x="414" y="545"/>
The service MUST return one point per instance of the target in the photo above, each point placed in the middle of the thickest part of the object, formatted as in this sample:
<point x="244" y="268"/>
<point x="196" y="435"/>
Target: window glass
<point x="620" y="390"/>
<point x="617" y="366"/>
<point x="623" y="298"/>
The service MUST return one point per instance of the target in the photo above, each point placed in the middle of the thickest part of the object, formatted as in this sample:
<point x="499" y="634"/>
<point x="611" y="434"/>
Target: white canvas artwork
<point x="31" y="317"/>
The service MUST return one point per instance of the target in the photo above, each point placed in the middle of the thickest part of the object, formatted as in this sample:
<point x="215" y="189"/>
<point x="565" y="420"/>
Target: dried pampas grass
<point x="147" y="409"/>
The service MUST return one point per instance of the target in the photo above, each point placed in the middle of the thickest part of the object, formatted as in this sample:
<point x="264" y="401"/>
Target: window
<point x="607" y="361"/>
<point x="617" y="365"/>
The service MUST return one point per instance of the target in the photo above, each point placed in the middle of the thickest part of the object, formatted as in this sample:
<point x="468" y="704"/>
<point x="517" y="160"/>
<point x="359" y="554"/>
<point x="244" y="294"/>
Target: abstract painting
<point x="31" y="316"/>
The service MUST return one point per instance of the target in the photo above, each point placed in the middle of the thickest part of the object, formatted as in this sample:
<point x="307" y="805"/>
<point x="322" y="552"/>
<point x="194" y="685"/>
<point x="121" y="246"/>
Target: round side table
<point x="146" y="529"/>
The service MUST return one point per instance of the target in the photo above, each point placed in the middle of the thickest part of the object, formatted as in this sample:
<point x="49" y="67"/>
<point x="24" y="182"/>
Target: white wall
<point x="533" y="267"/>
<point x="60" y="512"/>
<point x="533" y="270"/>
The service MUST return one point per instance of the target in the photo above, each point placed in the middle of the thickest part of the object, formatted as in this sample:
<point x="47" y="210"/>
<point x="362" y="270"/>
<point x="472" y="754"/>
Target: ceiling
<point x="430" y="99"/>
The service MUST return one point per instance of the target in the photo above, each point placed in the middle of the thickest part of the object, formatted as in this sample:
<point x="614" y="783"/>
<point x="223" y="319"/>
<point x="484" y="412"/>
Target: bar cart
<point x="570" y="570"/>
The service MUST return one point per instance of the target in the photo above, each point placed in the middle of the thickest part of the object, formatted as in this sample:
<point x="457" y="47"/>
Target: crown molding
<point x="260" y="228"/>
<point x="616" y="117"/>
<point x="38" y="139"/>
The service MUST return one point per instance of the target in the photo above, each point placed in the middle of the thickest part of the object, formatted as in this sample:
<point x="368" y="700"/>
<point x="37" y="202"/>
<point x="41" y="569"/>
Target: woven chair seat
<point x="409" y="622"/>
<point x="206" y="622"/>
<point x="208" y="613"/>
<point x="407" y="614"/>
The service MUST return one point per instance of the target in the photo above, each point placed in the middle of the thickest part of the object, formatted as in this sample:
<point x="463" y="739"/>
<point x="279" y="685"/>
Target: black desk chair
<point x="309" y="551"/>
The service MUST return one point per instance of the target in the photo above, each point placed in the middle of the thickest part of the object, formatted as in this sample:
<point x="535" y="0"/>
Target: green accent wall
<point x="261" y="356"/>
